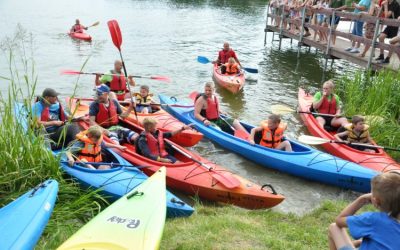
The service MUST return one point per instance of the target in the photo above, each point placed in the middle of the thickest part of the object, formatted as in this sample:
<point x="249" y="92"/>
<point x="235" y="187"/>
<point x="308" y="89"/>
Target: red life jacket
<point x="212" y="111"/>
<point x="45" y="116"/>
<point x="118" y="85"/>
<point x="91" y="152"/>
<point x="107" y="117"/>
<point x="156" y="146"/>
<point x="78" y="28"/>
<point x="328" y="107"/>
<point x="273" y="138"/>
<point x="224" y="56"/>
<point x="232" y="68"/>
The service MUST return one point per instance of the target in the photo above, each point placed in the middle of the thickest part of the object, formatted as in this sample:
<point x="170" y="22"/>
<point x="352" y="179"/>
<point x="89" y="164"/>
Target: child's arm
<point x="71" y="160"/>
<point x="352" y="208"/>
<point x="338" y="136"/>
<point x="252" y="133"/>
<point x="112" y="145"/>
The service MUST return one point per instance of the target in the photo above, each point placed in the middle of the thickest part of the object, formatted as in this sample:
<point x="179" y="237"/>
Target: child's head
<point x="386" y="193"/>
<point x="149" y="124"/>
<point x="273" y="121"/>
<point x="231" y="60"/>
<point x="144" y="90"/>
<point x="94" y="133"/>
<point x="358" y="122"/>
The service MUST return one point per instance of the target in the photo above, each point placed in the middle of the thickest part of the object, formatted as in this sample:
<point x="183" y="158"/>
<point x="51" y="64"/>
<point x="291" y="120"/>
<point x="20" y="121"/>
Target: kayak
<point x="233" y="83"/>
<point x="166" y="123"/>
<point x="135" y="221"/>
<point x="201" y="177"/>
<point x="379" y="161"/>
<point x="305" y="161"/>
<point x="23" y="220"/>
<point x="80" y="36"/>
<point x="114" y="182"/>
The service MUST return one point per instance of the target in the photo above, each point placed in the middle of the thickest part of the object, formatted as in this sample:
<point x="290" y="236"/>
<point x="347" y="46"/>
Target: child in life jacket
<point x="357" y="132"/>
<point x="272" y="134"/>
<point x="232" y="68"/>
<point x="88" y="148"/>
<point x="144" y="100"/>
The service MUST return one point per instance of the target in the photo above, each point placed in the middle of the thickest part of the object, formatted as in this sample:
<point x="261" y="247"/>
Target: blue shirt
<point x="54" y="114"/>
<point x="365" y="3"/>
<point x="377" y="230"/>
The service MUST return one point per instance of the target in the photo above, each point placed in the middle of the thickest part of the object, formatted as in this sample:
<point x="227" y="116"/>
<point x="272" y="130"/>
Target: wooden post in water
<point x="266" y="25"/>
<point x="328" y="44"/>
<point x="376" y="32"/>
<point x="303" y="18"/>
<point x="281" y="27"/>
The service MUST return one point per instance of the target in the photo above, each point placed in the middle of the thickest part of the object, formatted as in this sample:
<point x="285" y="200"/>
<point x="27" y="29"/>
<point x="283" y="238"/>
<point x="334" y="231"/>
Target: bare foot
<point x="362" y="55"/>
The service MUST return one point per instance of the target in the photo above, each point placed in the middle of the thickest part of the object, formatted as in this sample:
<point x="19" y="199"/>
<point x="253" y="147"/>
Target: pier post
<point x="328" y="44"/>
<point x="266" y="25"/>
<point x="303" y="18"/>
<point x="281" y="26"/>
<point x="373" y="44"/>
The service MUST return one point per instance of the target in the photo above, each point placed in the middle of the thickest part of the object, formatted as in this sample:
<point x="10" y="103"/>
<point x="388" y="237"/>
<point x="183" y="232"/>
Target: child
<point x="272" y="134"/>
<point x="88" y="148"/>
<point x="378" y="230"/>
<point x="356" y="131"/>
<point x="232" y="68"/>
<point x="143" y="100"/>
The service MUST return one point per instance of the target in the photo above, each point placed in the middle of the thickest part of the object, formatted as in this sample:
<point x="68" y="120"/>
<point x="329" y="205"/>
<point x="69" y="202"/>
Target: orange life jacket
<point x="328" y="107"/>
<point x="232" y="68"/>
<point x="118" y="85"/>
<point x="212" y="111"/>
<point x="272" y="139"/>
<point x="107" y="117"/>
<point x="156" y="146"/>
<point x="91" y="152"/>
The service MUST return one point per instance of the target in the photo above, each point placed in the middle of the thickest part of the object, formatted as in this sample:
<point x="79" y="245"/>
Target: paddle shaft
<point x="190" y="157"/>
<point x="320" y="114"/>
<point x="108" y="163"/>
<point x="366" y="145"/>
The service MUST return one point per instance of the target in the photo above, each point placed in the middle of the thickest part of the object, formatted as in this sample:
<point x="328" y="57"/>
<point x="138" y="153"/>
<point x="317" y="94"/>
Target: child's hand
<point x="123" y="148"/>
<point x="71" y="162"/>
<point x="251" y="142"/>
<point x="365" y="199"/>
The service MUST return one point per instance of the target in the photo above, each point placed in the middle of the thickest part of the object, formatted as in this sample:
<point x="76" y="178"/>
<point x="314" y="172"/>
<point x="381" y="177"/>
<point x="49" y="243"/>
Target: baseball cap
<point x="102" y="89"/>
<point x="50" y="92"/>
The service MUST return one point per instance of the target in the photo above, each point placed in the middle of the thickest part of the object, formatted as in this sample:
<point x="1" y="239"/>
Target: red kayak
<point x="379" y="161"/>
<point x="80" y="36"/>
<point x="165" y="123"/>
<point x="233" y="83"/>
<point x="195" y="175"/>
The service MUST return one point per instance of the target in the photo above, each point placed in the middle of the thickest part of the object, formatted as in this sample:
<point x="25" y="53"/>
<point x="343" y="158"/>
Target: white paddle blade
<point x="371" y="119"/>
<point x="281" y="109"/>
<point x="312" y="140"/>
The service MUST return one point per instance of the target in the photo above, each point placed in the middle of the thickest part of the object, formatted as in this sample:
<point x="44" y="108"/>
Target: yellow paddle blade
<point x="312" y="140"/>
<point x="95" y="24"/>
<point x="374" y="119"/>
<point x="281" y="109"/>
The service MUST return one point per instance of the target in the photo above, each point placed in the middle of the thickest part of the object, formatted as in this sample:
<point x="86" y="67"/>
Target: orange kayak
<point x="233" y="83"/>
<point x="379" y="161"/>
<point x="166" y="122"/>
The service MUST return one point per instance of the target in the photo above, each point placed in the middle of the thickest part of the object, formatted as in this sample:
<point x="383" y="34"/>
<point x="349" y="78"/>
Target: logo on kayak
<point x="129" y="223"/>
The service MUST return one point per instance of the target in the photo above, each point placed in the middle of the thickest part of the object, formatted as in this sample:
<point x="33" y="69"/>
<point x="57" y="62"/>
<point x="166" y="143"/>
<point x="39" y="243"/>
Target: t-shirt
<point x="365" y="3"/>
<point x="377" y="230"/>
<point x="54" y="114"/>
<point x="337" y="3"/>
<point x="94" y="108"/>
<point x="394" y="7"/>
<point x="318" y="97"/>
<point x="106" y="78"/>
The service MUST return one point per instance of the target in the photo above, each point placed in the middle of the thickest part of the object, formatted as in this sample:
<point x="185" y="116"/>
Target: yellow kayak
<point x="135" y="221"/>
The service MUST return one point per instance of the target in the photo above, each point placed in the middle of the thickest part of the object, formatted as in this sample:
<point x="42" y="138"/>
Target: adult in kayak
<point x="224" y="55"/>
<point x="78" y="27"/>
<point x="50" y="115"/>
<point x="151" y="141"/>
<point x="206" y="109"/>
<point x="116" y="81"/>
<point x="105" y="111"/>
<point x="144" y="100"/>
<point x="328" y="103"/>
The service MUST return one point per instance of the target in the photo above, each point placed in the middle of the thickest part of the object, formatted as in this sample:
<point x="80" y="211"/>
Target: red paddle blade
<point x="226" y="180"/>
<point x="70" y="72"/>
<point x="241" y="134"/>
<point x="115" y="32"/>
<point x="161" y="78"/>
<point x="193" y="95"/>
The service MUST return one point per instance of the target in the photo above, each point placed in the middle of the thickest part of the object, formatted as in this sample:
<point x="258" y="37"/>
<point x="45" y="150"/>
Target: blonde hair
<point x="329" y="83"/>
<point x="148" y="123"/>
<point x="231" y="60"/>
<point x="386" y="187"/>
<point x="209" y="85"/>
<point x="95" y="131"/>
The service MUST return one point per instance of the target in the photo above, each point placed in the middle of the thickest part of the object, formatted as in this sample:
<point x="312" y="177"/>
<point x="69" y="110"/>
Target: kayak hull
<point x="232" y="83"/>
<point x="304" y="162"/>
<point x="80" y="36"/>
<point x="379" y="161"/>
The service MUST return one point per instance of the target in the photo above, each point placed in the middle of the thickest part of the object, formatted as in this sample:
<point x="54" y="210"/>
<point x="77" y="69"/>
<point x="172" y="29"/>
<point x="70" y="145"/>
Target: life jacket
<point x="272" y="139"/>
<point x="232" y="68"/>
<point x="91" y="152"/>
<point x="353" y="137"/>
<point x="156" y="146"/>
<point x="107" y="117"/>
<point x="78" y="28"/>
<point x="143" y="100"/>
<point x="118" y="85"/>
<point x="328" y="107"/>
<point x="224" y="56"/>
<point x="45" y="116"/>
<point x="212" y="111"/>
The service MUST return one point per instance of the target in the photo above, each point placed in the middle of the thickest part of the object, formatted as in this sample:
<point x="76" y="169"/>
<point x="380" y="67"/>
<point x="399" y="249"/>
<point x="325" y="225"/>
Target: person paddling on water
<point x="272" y="134"/>
<point x="143" y="100"/>
<point x="223" y="57"/>
<point x="151" y="141"/>
<point x="206" y="109"/>
<point x="106" y="112"/>
<point x="49" y="113"/>
<point x="231" y="67"/>
<point x="77" y="27"/>
<point x="116" y="81"/>
<point x="328" y="103"/>
<point x="357" y="132"/>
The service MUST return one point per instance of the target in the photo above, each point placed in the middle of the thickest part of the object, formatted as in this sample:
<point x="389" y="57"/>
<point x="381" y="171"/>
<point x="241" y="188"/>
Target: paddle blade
<point x="241" y="134"/>
<point x="281" y="109"/>
<point x="251" y="70"/>
<point x="70" y="72"/>
<point x="115" y="32"/>
<point x="95" y="24"/>
<point x="374" y="119"/>
<point x="312" y="140"/>
<point x="227" y="180"/>
<point x="203" y="60"/>
<point x="161" y="78"/>
<point x="193" y="95"/>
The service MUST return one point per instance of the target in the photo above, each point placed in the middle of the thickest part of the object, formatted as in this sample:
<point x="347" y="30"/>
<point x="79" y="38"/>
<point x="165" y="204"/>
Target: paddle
<point x="237" y="132"/>
<point x="160" y="104"/>
<point x="107" y="163"/>
<point x="116" y="37"/>
<point x="312" y="140"/>
<point x="73" y="72"/>
<point x="228" y="181"/>
<point x="95" y="24"/>
<point x="205" y="60"/>
<point x="283" y="109"/>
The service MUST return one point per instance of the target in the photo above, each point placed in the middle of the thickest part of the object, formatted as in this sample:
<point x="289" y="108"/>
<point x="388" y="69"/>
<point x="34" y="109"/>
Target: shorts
<point x="390" y="31"/>
<point x="347" y="247"/>
<point x="120" y="134"/>
<point x="320" y="18"/>
<point x="139" y="108"/>
<point x="224" y="125"/>
<point x="336" y="21"/>
<point x="358" y="28"/>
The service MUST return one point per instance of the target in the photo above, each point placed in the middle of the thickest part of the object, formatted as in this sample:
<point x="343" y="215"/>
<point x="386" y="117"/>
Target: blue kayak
<point x="305" y="162"/>
<point x="22" y="221"/>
